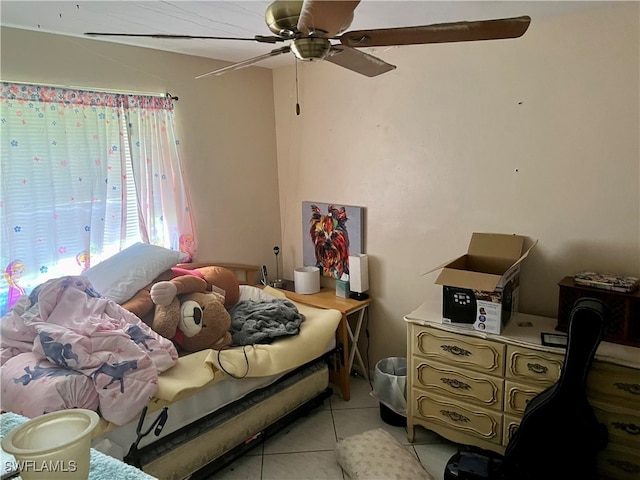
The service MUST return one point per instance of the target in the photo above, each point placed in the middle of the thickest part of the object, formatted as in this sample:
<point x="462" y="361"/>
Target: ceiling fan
<point x="311" y="25"/>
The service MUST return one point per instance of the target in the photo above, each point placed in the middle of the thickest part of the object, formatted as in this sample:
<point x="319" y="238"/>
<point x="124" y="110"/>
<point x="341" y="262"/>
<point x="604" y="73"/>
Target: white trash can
<point x="390" y="388"/>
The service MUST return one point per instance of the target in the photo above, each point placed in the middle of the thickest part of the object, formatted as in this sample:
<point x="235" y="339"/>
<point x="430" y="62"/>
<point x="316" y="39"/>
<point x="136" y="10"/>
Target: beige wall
<point x="226" y="128"/>
<point x="537" y="136"/>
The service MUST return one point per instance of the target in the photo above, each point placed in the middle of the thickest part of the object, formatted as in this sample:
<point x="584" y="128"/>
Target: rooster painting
<point x="331" y="240"/>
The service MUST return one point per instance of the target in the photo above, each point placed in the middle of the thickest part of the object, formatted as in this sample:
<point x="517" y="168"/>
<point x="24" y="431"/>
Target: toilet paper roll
<point x="307" y="280"/>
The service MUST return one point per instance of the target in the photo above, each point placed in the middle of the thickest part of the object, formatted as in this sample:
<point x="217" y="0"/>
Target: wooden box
<point x="623" y="325"/>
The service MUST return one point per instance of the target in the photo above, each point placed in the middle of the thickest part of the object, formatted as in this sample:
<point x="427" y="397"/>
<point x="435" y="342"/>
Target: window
<point x="84" y="175"/>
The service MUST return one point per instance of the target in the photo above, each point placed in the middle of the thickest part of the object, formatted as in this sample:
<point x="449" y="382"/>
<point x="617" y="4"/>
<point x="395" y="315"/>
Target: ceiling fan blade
<point x="257" y="38"/>
<point x="246" y="63"/>
<point x="358" y="61"/>
<point x="330" y="16"/>
<point x="439" y="33"/>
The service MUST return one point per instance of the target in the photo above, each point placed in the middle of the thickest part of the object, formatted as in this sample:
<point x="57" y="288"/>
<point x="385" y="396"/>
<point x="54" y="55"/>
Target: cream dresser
<point x="472" y="387"/>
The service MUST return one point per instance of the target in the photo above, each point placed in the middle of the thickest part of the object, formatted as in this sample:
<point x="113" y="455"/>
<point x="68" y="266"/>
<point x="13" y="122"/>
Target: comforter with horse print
<point x="64" y="346"/>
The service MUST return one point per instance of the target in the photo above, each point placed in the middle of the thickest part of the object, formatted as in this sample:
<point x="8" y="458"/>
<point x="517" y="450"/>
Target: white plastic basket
<point x="53" y="446"/>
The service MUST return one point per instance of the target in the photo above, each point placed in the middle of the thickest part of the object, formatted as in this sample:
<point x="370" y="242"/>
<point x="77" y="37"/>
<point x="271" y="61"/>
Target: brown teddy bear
<point x="181" y="280"/>
<point x="194" y="321"/>
<point x="161" y="305"/>
<point x="219" y="279"/>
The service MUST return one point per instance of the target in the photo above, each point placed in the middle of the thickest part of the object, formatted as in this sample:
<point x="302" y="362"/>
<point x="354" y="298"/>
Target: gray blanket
<point x="262" y="322"/>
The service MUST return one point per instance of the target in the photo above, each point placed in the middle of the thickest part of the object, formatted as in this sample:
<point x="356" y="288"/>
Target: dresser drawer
<point x="476" y="354"/>
<point x="464" y="385"/>
<point x="463" y="418"/>
<point x="517" y="395"/>
<point x="619" y="463"/>
<point x="622" y="424"/>
<point x="614" y="383"/>
<point x="533" y="366"/>
<point x="511" y="424"/>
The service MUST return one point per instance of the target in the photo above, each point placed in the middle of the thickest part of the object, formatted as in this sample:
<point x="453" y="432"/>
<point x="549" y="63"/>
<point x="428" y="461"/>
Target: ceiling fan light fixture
<point x="310" y="48"/>
<point x="282" y="17"/>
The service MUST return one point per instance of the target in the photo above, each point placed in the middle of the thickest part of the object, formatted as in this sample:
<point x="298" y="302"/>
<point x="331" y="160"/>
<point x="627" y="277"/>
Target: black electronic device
<point x="459" y="304"/>
<point x="507" y="301"/>
<point x="472" y="463"/>
<point x="265" y="278"/>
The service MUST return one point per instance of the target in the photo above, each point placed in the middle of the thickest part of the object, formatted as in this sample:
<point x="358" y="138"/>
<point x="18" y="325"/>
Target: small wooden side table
<point x="346" y="338"/>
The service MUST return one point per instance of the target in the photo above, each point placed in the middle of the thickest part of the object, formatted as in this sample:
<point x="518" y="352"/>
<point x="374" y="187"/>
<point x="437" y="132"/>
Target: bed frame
<point x="204" y="447"/>
<point x="211" y="443"/>
<point x="246" y="273"/>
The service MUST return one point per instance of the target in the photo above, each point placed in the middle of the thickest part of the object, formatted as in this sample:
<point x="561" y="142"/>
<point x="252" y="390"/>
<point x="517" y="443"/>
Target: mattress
<point x="188" y="405"/>
<point x="116" y="440"/>
<point x="185" y="407"/>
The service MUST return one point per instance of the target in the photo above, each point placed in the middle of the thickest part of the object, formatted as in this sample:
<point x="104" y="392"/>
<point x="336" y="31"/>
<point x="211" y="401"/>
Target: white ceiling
<point x="243" y="19"/>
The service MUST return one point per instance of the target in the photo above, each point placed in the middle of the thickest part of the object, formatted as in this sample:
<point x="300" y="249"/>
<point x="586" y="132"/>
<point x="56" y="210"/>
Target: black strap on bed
<point x="133" y="456"/>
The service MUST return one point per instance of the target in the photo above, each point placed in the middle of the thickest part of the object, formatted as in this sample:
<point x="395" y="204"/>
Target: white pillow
<point x="377" y="454"/>
<point x="247" y="292"/>
<point x="121" y="276"/>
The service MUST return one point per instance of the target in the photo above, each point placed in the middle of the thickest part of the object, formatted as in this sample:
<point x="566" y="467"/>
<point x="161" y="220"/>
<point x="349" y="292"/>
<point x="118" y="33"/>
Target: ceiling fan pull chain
<point x="297" y="100"/>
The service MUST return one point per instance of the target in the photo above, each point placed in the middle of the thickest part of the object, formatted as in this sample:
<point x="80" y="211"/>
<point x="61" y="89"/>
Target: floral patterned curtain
<point x="84" y="175"/>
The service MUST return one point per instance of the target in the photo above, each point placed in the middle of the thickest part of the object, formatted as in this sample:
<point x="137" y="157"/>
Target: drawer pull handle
<point x="632" y="388"/>
<point x="455" y="383"/>
<point x="624" y="465"/>
<point x="537" y="368"/>
<point x="455" y="350"/>
<point x="455" y="416"/>
<point x="630" y="428"/>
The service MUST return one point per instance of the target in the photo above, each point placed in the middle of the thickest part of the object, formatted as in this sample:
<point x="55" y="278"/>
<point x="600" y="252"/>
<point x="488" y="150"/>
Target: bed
<point x="200" y="418"/>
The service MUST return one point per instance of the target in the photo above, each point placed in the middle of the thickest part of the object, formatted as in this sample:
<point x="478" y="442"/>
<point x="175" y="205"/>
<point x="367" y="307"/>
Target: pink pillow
<point x="177" y="271"/>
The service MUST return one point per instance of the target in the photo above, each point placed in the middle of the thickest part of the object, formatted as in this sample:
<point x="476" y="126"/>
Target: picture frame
<point x="330" y="233"/>
<point x="558" y="340"/>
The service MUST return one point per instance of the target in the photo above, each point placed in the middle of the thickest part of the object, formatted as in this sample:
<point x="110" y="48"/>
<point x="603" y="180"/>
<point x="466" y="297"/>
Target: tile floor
<point x="305" y="449"/>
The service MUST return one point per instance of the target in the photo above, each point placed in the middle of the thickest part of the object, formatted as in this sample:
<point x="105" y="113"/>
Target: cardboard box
<point x="481" y="287"/>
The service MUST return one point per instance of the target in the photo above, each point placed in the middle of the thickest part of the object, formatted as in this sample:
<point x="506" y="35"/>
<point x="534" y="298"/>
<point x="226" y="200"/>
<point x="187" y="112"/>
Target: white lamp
<point x="359" y="276"/>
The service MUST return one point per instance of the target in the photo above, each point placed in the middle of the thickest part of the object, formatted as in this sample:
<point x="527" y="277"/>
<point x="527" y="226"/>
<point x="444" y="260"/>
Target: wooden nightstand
<point x="346" y="339"/>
